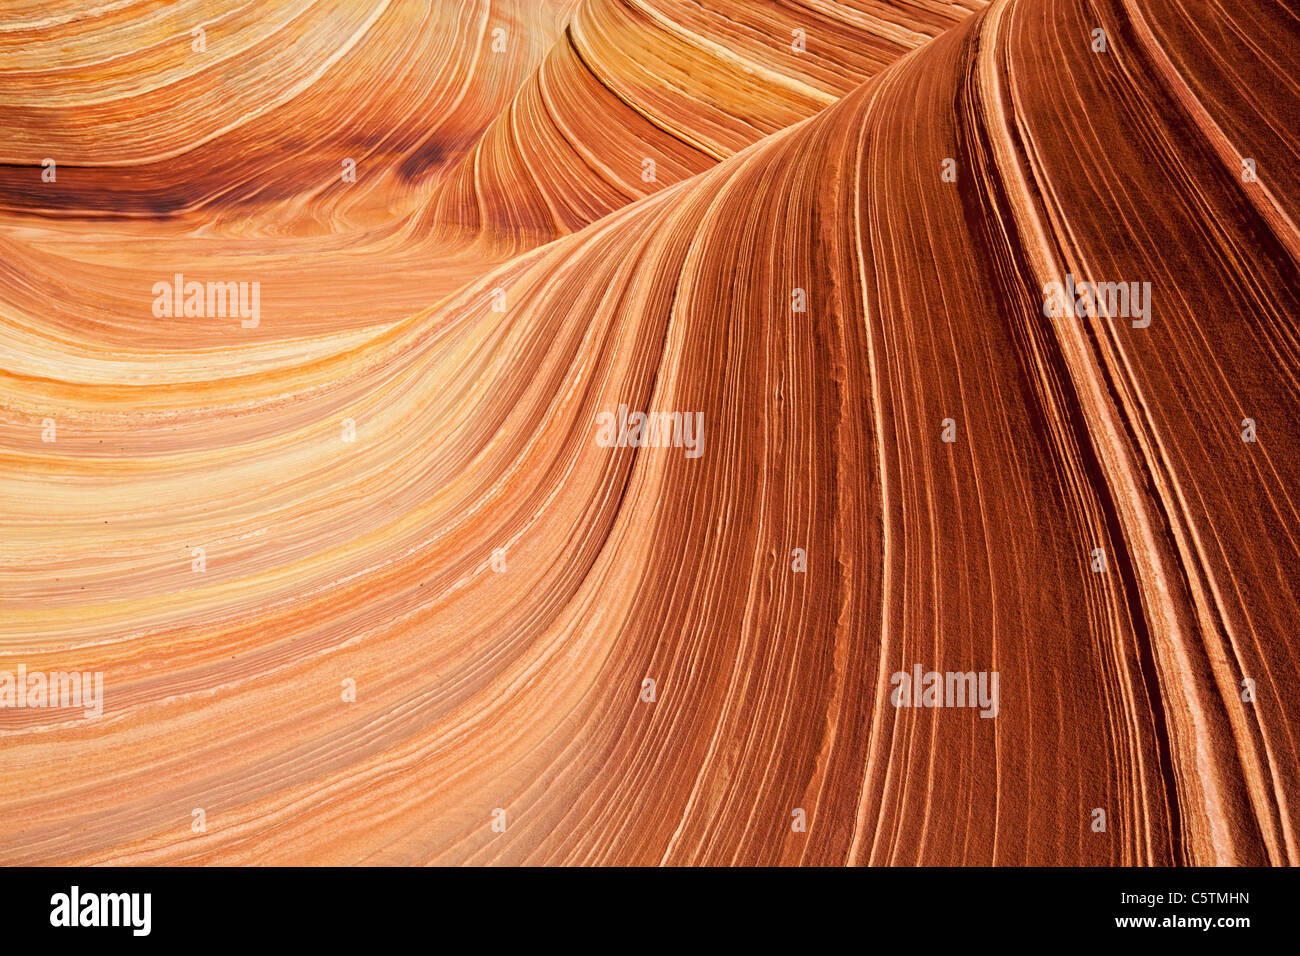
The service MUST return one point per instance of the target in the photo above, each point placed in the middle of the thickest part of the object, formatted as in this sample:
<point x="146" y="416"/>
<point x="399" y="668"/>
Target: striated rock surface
<point x="366" y="581"/>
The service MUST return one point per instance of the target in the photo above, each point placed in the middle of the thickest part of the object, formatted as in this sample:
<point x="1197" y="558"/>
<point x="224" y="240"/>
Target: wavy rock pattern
<point x="674" y="82"/>
<point x="497" y="584"/>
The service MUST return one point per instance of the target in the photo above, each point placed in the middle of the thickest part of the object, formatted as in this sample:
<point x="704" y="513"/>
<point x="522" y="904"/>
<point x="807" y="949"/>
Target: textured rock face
<point x="959" y="524"/>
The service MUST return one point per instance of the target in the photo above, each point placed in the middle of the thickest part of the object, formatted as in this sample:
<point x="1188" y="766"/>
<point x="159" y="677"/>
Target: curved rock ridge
<point x="640" y="94"/>
<point x="213" y="138"/>
<point x="395" y="592"/>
